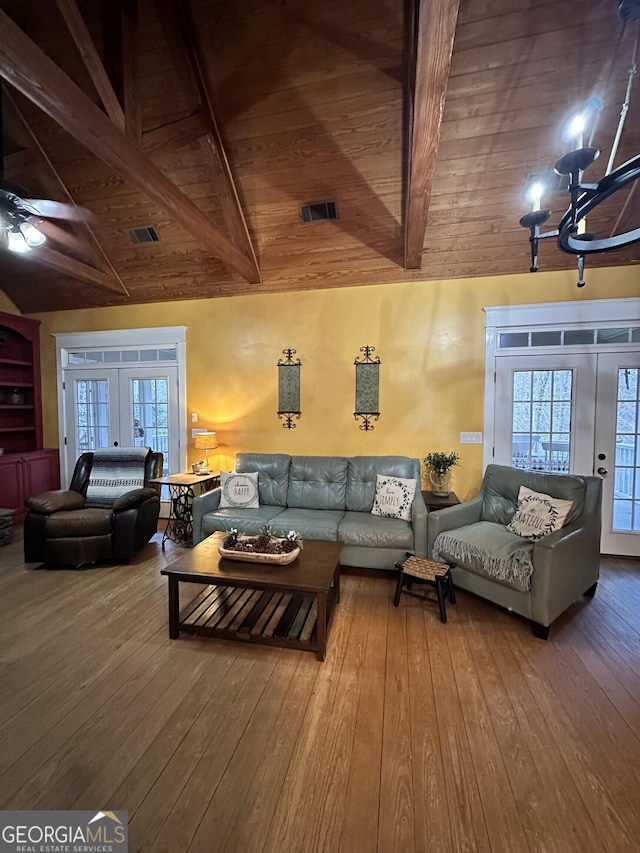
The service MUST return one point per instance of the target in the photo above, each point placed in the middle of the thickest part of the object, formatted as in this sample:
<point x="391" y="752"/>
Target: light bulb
<point x="16" y="242"/>
<point x="535" y="192"/>
<point x="32" y="235"/>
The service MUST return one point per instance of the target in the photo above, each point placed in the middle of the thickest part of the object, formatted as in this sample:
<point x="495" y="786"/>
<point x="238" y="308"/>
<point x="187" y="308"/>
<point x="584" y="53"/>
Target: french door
<point x="579" y="414"/>
<point x="130" y="407"/>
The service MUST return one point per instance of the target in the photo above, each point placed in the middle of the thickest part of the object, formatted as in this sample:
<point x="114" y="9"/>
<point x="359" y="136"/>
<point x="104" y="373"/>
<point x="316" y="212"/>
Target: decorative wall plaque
<point x="289" y="388"/>
<point x="367" y="388"/>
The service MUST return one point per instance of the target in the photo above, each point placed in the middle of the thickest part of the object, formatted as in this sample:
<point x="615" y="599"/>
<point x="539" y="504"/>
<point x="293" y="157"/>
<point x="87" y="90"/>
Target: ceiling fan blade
<point x="56" y="209"/>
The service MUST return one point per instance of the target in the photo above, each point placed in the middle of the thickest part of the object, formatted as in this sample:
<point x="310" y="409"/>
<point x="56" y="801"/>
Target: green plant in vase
<point x="439" y="465"/>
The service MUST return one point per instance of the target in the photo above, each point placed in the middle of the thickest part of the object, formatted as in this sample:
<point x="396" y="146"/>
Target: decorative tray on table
<point x="260" y="549"/>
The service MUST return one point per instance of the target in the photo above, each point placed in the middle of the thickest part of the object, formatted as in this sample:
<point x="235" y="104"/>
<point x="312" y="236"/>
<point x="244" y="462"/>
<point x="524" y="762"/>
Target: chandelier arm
<point x="590" y="199"/>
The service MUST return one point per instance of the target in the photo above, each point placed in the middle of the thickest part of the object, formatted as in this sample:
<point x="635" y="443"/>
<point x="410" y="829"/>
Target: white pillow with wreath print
<point x="394" y="496"/>
<point x="538" y="514"/>
<point x="239" y="490"/>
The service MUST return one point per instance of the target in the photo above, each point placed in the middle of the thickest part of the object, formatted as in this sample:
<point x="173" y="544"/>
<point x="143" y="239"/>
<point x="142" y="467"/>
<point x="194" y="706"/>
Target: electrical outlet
<point x="195" y="432"/>
<point x="470" y="438"/>
<point x="194" y="417"/>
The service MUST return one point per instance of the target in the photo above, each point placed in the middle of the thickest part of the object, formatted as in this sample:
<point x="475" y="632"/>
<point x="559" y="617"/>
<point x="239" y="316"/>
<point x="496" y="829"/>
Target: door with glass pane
<point x="577" y="414"/>
<point x="122" y="406"/>
<point x="617" y="451"/>
<point x="545" y="411"/>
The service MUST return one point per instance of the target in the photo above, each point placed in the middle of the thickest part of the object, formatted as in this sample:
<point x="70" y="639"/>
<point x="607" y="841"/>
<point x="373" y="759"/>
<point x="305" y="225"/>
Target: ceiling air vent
<point x="319" y="211"/>
<point x="146" y="234"/>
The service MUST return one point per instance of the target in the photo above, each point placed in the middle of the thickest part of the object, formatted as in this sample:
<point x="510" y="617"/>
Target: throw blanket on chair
<point x="115" y="470"/>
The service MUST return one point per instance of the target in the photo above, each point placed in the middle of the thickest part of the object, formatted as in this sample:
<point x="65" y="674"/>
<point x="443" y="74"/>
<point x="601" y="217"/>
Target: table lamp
<point x="206" y="441"/>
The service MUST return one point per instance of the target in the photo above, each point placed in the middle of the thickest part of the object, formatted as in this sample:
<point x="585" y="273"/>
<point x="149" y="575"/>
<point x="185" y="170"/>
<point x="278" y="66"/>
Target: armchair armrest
<point x="55" y="501"/>
<point x="208" y="502"/>
<point x="566" y="563"/>
<point x="134" y="498"/>
<point x="451" y="518"/>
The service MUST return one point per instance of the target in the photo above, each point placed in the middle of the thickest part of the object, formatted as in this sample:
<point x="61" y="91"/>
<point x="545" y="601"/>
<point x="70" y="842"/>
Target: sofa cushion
<point x="538" y="515"/>
<point x="249" y="521"/>
<point x="489" y="549"/>
<point x="368" y="531"/>
<point x="317" y="482"/>
<point x="394" y="497"/>
<point x="273" y="475"/>
<point x="501" y="487"/>
<point x="239" y="490"/>
<point x="308" y="523"/>
<point x="362" y="472"/>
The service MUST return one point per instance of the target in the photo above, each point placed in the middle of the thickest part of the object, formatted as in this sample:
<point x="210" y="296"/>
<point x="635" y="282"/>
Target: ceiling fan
<point x="20" y="216"/>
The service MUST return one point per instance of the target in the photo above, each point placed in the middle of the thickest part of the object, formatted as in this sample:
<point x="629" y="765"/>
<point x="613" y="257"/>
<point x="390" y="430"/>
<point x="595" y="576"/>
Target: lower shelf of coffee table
<point x="253" y="615"/>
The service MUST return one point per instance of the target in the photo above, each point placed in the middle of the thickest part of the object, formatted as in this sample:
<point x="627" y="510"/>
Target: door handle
<point x="602" y="471"/>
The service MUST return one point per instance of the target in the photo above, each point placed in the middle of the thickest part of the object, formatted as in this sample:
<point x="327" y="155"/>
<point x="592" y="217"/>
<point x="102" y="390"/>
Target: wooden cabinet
<point x="24" y="475"/>
<point x="25" y="468"/>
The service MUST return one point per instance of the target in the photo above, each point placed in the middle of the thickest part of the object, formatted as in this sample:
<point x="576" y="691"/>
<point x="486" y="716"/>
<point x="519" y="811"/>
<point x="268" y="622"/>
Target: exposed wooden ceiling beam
<point x="48" y="257"/>
<point x="130" y="71"/>
<point x="432" y="44"/>
<point x="185" y="51"/>
<point x="82" y="240"/>
<point x="91" y="58"/>
<point x="26" y="67"/>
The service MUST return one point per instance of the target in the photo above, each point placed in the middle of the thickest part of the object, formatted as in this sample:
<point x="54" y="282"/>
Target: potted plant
<point x="439" y="465"/>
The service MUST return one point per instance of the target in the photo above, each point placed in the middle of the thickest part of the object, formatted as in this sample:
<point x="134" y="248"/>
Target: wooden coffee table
<point x="270" y="604"/>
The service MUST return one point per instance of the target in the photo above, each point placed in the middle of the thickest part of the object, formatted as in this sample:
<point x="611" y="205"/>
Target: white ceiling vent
<point x="146" y="234"/>
<point x="318" y="211"/>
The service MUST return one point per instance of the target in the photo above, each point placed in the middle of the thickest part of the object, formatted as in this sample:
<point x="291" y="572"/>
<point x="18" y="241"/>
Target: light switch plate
<point x="195" y="432"/>
<point x="470" y="438"/>
<point x="194" y="417"/>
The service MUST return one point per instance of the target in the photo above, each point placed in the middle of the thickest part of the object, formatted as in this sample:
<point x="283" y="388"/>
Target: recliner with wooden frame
<point x="59" y="528"/>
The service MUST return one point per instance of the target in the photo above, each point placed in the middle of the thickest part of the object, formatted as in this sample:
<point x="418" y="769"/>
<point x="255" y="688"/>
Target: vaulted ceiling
<point x="213" y="121"/>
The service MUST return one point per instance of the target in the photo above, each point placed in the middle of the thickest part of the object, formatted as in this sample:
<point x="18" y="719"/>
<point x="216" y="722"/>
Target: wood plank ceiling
<point x="214" y="121"/>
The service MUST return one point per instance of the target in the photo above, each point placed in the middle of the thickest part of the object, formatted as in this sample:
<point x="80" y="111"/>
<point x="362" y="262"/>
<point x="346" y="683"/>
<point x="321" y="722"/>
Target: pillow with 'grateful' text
<point x="538" y="514"/>
<point x="239" y="491"/>
<point x="394" y="496"/>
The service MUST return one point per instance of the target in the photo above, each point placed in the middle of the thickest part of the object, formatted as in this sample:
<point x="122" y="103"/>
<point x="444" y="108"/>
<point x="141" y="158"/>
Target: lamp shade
<point x="206" y="441"/>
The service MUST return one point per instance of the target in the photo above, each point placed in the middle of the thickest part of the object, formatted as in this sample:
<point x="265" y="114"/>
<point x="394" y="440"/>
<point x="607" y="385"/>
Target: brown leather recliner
<point x="60" y="529"/>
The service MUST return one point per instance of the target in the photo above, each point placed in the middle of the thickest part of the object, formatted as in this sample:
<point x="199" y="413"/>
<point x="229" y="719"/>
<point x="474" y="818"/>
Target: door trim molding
<point x="123" y="338"/>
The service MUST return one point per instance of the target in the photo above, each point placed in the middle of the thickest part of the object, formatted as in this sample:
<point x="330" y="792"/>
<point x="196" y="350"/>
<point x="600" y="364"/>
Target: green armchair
<point x="538" y="580"/>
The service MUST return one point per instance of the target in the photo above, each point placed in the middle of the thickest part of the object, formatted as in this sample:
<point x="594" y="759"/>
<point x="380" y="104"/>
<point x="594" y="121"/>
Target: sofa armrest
<point x="55" y="501"/>
<point x="419" y="523"/>
<point x="565" y="564"/>
<point x="208" y="502"/>
<point x="133" y="499"/>
<point x="452" y="517"/>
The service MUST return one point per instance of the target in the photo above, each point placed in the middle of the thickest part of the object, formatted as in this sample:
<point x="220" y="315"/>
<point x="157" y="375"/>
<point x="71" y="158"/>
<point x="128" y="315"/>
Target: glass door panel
<point x="617" y="449"/>
<point x="545" y="413"/>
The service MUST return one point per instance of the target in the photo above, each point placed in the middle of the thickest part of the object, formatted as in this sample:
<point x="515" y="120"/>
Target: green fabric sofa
<point x="323" y="497"/>
<point x="492" y="562"/>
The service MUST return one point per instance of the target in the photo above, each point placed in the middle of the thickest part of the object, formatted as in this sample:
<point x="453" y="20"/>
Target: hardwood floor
<point x="411" y="736"/>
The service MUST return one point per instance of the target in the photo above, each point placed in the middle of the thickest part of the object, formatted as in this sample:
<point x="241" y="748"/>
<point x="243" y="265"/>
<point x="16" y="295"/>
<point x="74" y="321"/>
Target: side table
<point x="182" y="488"/>
<point x="435" y="502"/>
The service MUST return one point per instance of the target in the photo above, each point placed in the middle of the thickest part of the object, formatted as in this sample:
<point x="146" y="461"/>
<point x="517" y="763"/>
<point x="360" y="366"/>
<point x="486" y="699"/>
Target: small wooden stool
<point x="431" y="572"/>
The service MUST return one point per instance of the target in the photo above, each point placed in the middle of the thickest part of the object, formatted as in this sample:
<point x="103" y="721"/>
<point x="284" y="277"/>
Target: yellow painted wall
<point x="7" y="305"/>
<point x="429" y="336"/>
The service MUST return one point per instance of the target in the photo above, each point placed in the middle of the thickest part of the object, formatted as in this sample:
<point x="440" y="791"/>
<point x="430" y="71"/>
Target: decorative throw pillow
<point x="538" y="514"/>
<point x="239" y="491"/>
<point x="394" y="496"/>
